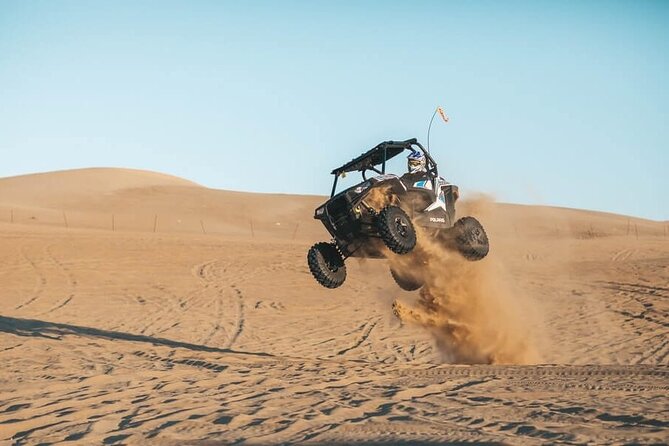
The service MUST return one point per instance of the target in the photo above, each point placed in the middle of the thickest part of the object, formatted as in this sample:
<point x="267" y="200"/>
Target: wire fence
<point x="292" y="230"/>
<point x="159" y="223"/>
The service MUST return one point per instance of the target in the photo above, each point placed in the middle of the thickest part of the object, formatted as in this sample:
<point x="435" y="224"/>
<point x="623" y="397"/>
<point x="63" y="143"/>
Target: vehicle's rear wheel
<point x="396" y="230"/>
<point x="406" y="281"/>
<point x="470" y="238"/>
<point x="326" y="265"/>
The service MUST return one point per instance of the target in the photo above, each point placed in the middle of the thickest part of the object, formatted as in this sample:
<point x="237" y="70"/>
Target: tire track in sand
<point x="366" y="329"/>
<point x="207" y="273"/>
<point x="71" y="281"/>
<point x="40" y="283"/>
<point x="623" y="255"/>
<point x="170" y="316"/>
<point x="239" y="319"/>
<point x="206" y="276"/>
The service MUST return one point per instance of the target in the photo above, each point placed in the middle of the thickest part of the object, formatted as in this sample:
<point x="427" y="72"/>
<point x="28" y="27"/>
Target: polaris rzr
<point x="378" y="215"/>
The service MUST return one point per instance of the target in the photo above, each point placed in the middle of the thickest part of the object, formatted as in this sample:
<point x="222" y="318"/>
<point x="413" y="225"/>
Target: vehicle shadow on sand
<point x="56" y="331"/>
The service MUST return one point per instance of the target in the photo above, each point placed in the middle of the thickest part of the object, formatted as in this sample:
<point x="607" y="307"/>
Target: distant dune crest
<point x="138" y="200"/>
<point x="95" y="178"/>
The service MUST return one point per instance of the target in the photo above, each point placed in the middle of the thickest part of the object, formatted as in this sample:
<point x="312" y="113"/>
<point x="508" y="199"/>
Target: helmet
<point x="416" y="162"/>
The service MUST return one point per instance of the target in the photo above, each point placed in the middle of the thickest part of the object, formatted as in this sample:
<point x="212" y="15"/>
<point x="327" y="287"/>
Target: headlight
<point x="320" y="211"/>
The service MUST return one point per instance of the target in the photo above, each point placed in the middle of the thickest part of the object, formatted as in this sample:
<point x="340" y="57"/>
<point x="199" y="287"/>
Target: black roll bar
<point x="395" y="147"/>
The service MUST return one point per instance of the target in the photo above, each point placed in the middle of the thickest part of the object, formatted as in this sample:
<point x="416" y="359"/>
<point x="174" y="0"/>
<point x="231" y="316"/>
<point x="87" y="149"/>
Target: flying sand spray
<point x="469" y="308"/>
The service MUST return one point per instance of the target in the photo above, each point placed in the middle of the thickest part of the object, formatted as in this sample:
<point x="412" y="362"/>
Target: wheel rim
<point x="329" y="262"/>
<point x="401" y="226"/>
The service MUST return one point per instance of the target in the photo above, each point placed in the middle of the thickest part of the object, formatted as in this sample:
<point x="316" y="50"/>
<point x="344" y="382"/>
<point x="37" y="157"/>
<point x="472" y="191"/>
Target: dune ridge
<point x="91" y="198"/>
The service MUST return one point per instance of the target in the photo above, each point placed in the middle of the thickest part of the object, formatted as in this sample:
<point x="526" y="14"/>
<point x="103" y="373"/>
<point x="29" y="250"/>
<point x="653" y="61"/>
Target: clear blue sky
<point x="554" y="102"/>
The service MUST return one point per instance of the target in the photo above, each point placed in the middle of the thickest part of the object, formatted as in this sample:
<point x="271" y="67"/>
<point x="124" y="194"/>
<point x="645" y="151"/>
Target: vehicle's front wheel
<point x="396" y="230"/>
<point x="470" y="238"/>
<point x="408" y="282"/>
<point x="326" y="265"/>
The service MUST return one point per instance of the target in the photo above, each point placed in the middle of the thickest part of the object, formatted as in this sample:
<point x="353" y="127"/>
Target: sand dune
<point x="139" y="308"/>
<point x="53" y="189"/>
<point x="132" y="200"/>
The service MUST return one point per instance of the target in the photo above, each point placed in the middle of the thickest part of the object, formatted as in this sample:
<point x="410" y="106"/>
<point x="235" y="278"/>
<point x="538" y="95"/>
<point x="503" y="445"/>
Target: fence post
<point x="252" y="231"/>
<point x="155" y="222"/>
<point x="65" y="219"/>
<point x="295" y="231"/>
<point x="202" y="224"/>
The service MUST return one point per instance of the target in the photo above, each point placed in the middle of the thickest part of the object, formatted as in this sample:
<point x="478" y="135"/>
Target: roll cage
<point x="379" y="155"/>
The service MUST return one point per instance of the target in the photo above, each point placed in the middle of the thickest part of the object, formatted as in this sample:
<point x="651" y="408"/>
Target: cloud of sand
<point x="471" y="308"/>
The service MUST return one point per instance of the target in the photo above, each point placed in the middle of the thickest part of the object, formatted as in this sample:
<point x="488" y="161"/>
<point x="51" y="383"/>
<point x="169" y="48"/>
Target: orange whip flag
<point x="442" y="114"/>
<point x="429" y="127"/>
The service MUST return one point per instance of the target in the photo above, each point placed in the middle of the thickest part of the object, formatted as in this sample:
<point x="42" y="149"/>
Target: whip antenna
<point x="429" y="127"/>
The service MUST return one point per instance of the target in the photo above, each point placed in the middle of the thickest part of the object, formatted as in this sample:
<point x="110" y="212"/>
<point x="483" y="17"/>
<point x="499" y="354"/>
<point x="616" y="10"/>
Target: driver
<point x="417" y="174"/>
<point x="416" y="162"/>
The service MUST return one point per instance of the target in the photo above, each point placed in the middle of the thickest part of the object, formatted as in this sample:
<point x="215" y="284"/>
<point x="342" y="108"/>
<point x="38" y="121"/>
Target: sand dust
<point x="471" y="308"/>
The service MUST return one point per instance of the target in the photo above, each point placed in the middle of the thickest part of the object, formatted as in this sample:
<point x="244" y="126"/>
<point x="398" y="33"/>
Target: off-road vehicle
<point x="378" y="215"/>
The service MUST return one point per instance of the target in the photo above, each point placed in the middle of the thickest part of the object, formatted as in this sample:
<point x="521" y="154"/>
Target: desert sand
<point x="140" y="308"/>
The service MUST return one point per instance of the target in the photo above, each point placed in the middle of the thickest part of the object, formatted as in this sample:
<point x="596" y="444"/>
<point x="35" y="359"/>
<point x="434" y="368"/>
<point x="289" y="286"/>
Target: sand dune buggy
<point x="380" y="215"/>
